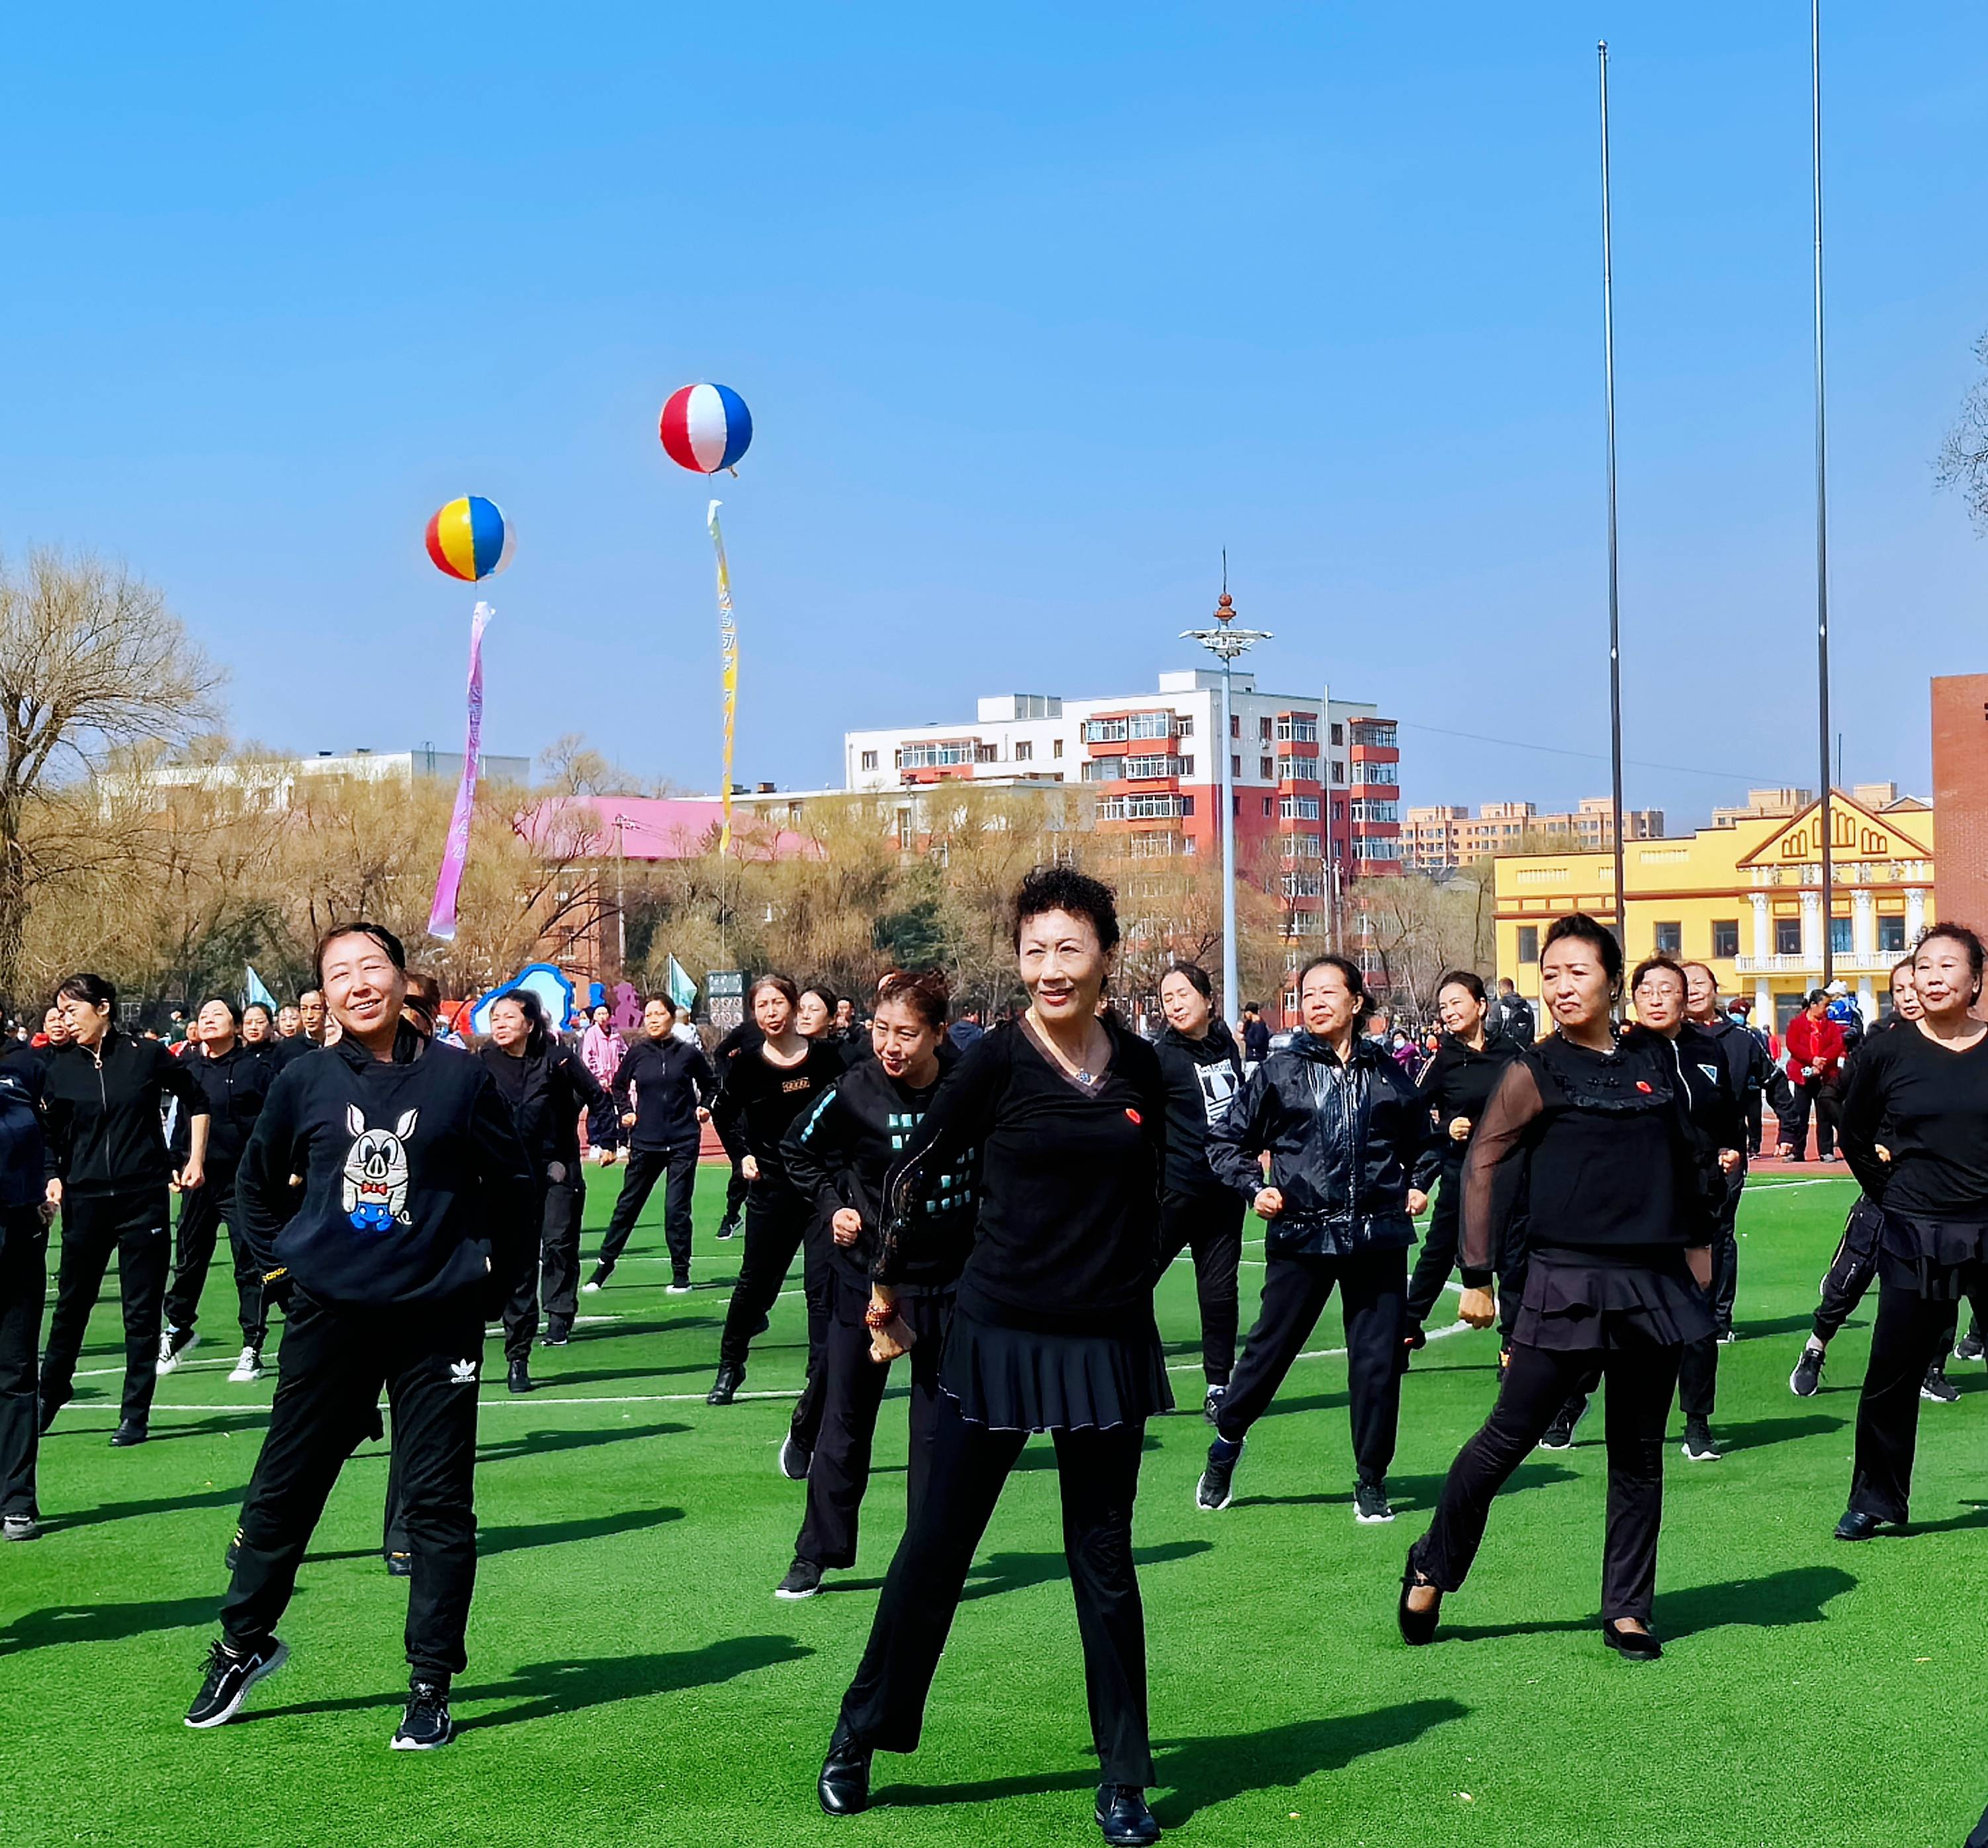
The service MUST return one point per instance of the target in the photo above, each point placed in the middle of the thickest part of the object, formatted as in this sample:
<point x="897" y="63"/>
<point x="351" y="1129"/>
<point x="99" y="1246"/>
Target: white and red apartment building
<point x="1316" y="780"/>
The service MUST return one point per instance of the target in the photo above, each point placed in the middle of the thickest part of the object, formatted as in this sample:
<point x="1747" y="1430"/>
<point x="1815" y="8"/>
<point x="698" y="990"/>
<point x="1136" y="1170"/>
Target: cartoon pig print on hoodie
<point x="376" y="1172"/>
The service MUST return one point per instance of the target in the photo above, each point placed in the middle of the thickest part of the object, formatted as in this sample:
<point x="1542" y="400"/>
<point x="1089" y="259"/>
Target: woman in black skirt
<point x="838" y="1155"/>
<point x="1456" y="1085"/>
<point x="1620" y="1192"/>
<point x="1053" y="1331"/>
<point x="1921" y="1093"/>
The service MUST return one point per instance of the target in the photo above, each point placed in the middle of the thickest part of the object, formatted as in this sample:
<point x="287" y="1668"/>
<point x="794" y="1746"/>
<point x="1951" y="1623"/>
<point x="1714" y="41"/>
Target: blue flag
<point x="683" y="991"/>
<point x="257" y="992"/>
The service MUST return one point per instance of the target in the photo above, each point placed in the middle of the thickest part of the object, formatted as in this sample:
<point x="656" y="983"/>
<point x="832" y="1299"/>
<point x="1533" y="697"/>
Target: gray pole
<point x="1614" y="602"/>
<point x="1226" y="642"/>
<point x="1821" y="491"/>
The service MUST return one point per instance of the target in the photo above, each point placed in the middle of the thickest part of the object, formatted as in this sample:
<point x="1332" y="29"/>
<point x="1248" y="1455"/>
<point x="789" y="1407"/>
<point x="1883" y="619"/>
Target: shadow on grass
<point x="1306" y="1402"/>
<point x="1415" y="1491"/>
<point x="163" y="1505"/>
<point x="542" y="1690"/>
<point x="1199" y="1773"/>
<point x="490" y="1541"/>
<point x="102" y="1622"/>
<point x="1761" y="1432"/>
<point x="548" y="1380"/>
<point x="1001" y="1571"/>
<point x="1775" y="1325"/>
<point x="542" y="1443"/>
<point x="599" y="1331"/>
<point x="1781" y="1599"/>
<point x="1953" y="1524"/>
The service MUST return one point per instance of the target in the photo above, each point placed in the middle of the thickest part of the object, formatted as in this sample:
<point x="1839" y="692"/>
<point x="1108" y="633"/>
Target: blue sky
<point x="1037" y="308"/>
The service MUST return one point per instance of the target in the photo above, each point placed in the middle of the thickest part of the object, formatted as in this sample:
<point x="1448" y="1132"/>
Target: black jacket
<point x="671" y="1079"/>
<point x="1255" y="1040"/>
<point x="23" y="1149"/>
<point x="1457" y="1082"/>
<point x="1342" y="1140"/>
<point x="838" y="1154"/>
<point x="1202" y="1078"/>
<point x="103" y="1111"/>
<point x="417" y="1188"/>
<point x="1750" y="1072"/>
<point x="1514" y="1018"/>
<point x="547" y="1090"/>
<point x="236" y="1085"/>
<point x="1717" y="1118"/>
<point x="299" y="1046"/>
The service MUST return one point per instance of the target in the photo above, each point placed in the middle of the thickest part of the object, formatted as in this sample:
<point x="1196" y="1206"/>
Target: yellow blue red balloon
<point x="470" y="537"/>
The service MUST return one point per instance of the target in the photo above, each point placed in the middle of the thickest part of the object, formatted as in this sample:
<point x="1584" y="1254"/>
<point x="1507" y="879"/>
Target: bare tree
<point x="92" y="662"/>
<point x="1961" y="464"/>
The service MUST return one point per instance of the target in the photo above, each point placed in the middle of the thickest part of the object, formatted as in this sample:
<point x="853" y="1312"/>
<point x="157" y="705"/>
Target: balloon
<point x="471" y="538"/>
<point x="706" y="427"/>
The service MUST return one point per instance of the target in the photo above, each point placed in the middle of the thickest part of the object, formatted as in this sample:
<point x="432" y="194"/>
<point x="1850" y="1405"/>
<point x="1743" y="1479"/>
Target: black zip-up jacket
<point x="546" y="1091"/>
<point x="236" y="1085"/>
<point x="838" y="1153"/>
<point x="1457" y="1082"/>
<point x="106" y="1134"/>
<point x="416" y="1186"/>
<point x="1717" y="1118"/>
<point x="23" y="1146"/>
<point x="757" y="1100"/>
<point x="299" y="1046"/>
<point x="1342" y="1138"/>
<point x="1202" y="1078"/>
<point x="1750" y="1073"/>
<point x="671" y="1079"/>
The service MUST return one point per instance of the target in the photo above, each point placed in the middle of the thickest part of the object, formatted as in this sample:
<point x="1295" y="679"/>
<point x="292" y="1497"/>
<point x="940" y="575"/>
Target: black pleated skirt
<point x="1577" y="1302"/>
<point x="1013" y="1379"/>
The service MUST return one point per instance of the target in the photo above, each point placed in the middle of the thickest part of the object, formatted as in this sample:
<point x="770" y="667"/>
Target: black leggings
<point x="777" y="1222"/>
<point x="1537" y="1383"/>
<point x="1438" y="1257"/>
<point x="1098" y="1474"/>
<point x="1209" y="1225"/>
<point x="137" y="1226"/>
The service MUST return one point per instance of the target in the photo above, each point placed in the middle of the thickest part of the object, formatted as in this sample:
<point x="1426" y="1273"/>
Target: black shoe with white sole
<point x="1697" y="1441"/>
<point x="796" y="1457"/>
<point x="1970" y="1346"/>
<point x="601" y="1273"/>
<point x="229" y="1677"/>
<point x="1214" y="1491"/>
<point x="1371" y="1506"/>
<point x="1211" y="1407"/>
<point x="727" y="1226"/>
<point x="1559" y="1435"/>
<point x="425" y="1723"/>
<point x="679" y="1285"/>
<point x="1806" y="1381"/>
<point x="19" y="1527"/>
<point x="803" y="1580"/>
<point x="1937" y="1388"/>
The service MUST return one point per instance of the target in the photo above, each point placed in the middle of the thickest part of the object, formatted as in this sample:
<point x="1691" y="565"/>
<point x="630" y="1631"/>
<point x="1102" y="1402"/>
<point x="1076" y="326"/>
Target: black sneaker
<point x="1371" y="1506"/>
<point x="424" y="1722"/>
<point x="1939" y="1388"/>
<point x="1806" y="1381"/>
<point x="803" y="1580"/>
<point x="796" y="1457"/>
<point x="1698" y="1443"/>
<point x="601" y="1273"/>
<point x="728" y="1225"/>
<point x="128" y="1431"/>
<point x="229" y="1677"/>
<point x="1211" y="1407"/>
<point x="19" y="1527"/>
<point x="519" y="1378"/>
<point x="679" y="1285"/>
<point x="1213" y="1492"/>
<point x="557" y="1334"/>
<point x="1970" y="1346"/>
<point x="400" y="1566"/>
<point x="1559" y="1435"/>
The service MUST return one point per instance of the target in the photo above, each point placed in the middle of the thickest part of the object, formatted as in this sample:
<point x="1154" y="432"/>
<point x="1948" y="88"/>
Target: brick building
<point x="1440" y="839"/>
<point x="1960" y="796"/>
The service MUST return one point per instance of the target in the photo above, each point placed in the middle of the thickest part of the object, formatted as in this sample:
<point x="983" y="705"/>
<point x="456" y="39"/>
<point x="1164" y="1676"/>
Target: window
<point x="1726" y="937"/>
<point x="1298" y="728"/>
<point x="1266" y="768"/>
<point x="1152" y="766"/>
<point x="1104" y="732"/>
<point x="1263" y="730"/>
<point x="869" y="760"/>
<point x="1375" y="810"/>
<point x="1290" y="1003"/>
<point x="1298" y="808"/>
<point x="1100" y="769"/>
<point x="1235" y="725"/>
<point x="1144" y="807"/>
<point x="1025" y="752"/>
<point x="1787" y="937"/>
<point x="1269" y="806"/>
<point x="1056" y="747"/>
<point x="1297" y="769"/>
<point x="1184" y="725"/>
<point x="986" y="754"/>
<point x="1379" y="733"/>
<point x="1301" y="846"/>
<point x="1839" y="936"/>
<point x="1303" y="885"/>
<point x="1338" y="770"/>
<point x="1159" y="844"/>
<point x="932" y="757"/>
<point x="1529" y="943"/>
<point x="1369" y="847"/>
<point x="1338" y="811"/>
<point x="1891" y="936"/>
<point x="1377" y="773"/>
<point x="1185" y="766"/>
<point x="1339" y="734"/>
<point x="1669" y="939"/>
<point x="1305" y="924"/>
<point x="1235" y="765"/>
<point x="1150" y="724"/>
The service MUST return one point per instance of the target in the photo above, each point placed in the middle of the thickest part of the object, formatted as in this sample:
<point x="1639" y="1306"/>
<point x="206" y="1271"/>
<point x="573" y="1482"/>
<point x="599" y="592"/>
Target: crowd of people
<point x="993" y="1205"/>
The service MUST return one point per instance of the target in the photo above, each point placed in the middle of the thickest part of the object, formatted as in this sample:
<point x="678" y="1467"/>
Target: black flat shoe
<point x="1417" y="1626"/>
<point x="1858" y="1525"/>
<point x="1631" y="1645"/>
<point x="1124" y="1817"/>
<point x="132" y="1430"/>
<point x="843" y="1786"/>
<point x="724" y="1388"/>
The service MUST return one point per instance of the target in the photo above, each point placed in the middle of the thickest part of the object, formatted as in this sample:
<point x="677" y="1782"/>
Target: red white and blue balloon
<point x="706" y="427"/>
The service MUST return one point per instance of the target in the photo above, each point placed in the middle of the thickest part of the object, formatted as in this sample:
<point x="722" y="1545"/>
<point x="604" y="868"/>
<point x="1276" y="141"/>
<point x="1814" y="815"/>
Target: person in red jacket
<point x="1815" y="1074"/>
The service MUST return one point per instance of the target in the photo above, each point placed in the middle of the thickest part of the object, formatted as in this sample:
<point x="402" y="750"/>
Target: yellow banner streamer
<point x="728" y="647"/>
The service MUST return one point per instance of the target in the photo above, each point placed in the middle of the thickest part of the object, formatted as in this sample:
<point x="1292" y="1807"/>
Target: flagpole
<point x="1615" y="576"/>
<point x="1823" y="825"/>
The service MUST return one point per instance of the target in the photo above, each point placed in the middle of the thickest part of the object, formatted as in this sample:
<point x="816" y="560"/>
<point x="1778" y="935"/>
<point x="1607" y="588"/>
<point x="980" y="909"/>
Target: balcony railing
<point x="1845" y="962"/>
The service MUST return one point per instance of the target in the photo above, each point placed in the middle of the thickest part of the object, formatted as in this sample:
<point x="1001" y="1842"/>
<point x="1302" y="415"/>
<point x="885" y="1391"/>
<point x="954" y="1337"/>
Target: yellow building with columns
<point x="1745" y="898"/>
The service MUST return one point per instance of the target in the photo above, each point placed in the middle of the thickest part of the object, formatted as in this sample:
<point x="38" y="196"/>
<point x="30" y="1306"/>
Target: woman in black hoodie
<point x="416" y="1203"/>
<point x="1342" y="1126"/>
<point x="1456" y="1084"/>
<point x="837" y="1156"/>
<point x="109" y="1172"/>
<point x="547" y="1085"/>
<point x="1204" y="1071"/>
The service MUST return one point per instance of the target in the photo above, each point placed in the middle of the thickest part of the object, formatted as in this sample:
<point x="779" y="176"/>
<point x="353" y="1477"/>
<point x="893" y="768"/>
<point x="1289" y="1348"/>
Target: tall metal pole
<point x="1821" y="495"/>
<point x="1226" y="642"/>
<point x="1615" y="588"/>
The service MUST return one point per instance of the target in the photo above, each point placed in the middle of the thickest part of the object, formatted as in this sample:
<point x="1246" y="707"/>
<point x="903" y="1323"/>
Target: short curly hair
<point x="1065" y="889"/>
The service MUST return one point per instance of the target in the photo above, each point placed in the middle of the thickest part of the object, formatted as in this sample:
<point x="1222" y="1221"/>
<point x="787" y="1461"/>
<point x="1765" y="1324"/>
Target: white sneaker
<point x="170" y="1354"/>
<point x="247" y="1370"/>
<point x="590" y="1289"/>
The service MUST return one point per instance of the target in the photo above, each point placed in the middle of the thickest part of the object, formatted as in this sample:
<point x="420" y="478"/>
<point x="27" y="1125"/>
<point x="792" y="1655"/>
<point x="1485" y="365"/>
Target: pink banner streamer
<point x="441" y="919"/>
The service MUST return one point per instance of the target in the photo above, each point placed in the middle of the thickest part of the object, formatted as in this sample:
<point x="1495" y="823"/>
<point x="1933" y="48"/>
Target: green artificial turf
<point x="632" y="1680"/>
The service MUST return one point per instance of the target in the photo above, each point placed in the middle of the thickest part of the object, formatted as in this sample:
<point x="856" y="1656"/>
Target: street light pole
<point x="1614" y="600"/>
<point x="1823" y="820"/>
<point x="1228" y="644"/>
